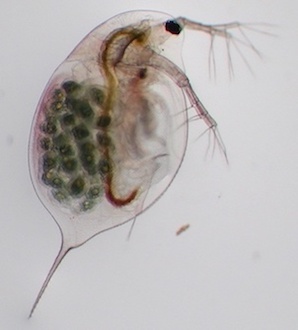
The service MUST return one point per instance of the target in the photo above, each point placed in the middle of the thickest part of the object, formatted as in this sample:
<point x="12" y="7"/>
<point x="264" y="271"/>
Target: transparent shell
<point x="110" y="130"/>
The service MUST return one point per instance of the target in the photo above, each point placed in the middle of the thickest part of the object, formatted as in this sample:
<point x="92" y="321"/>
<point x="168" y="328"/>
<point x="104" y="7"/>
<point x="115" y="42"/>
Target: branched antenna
<point x="234" y="34"/>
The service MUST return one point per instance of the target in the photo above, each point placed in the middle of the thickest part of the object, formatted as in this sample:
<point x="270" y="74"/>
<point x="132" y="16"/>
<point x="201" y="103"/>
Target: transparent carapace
<point x="110" y="130"/>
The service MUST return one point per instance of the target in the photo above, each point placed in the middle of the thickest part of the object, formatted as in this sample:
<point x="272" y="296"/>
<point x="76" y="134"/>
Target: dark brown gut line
<point x="113" y="51"/>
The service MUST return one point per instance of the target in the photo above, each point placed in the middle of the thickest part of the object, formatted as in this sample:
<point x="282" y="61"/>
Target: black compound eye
<point x="173" y="27"/>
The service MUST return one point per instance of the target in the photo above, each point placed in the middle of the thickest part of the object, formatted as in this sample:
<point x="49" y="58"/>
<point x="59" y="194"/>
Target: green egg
<point x="46" y="143"/>
<point x="103" y="121"/>
<point x="68" y="120"/>
<point x="80" y="132"/>
<point x="77" y="186"/>
<point x="52" y="179"/>
<point x="80" y="108"/>
<point x="95" y="192"/>
<point x="104" y="167"/>
<point x="87" y="155"/>
<point x="59" y="195"/>
<point x="57" y="182"/>
<point x="96" y="95"/>
<point x="71" y="87"/>
<point x="57" y="106"/>
<point x="103" y="139"/>
<point x="49" y="126"/>
<point x="62" y="144"/>
<point x="60" y="140"/>
<point x="85" y="110"/>
<point x="87" y="205"/>
<point x="49" y="160"/>
<point x="87" y="147"/>
<point x="69" y="164"/>
<point x="58" y="95"/>
<point x="66" y="150"/>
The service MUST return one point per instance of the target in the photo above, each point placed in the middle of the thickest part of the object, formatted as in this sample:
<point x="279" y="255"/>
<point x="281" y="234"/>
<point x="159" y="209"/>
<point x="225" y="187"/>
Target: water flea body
<point x="110" y="130"/>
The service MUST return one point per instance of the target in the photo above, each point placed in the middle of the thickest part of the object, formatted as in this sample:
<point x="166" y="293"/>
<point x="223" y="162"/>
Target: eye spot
<point x="173" y="27"/>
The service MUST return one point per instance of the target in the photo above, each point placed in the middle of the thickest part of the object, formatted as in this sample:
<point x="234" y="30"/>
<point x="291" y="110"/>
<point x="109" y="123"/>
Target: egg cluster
<point x="73" y="138"/>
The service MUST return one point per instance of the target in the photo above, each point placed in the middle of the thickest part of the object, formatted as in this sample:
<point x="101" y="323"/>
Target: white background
<point x="237" y="265"/>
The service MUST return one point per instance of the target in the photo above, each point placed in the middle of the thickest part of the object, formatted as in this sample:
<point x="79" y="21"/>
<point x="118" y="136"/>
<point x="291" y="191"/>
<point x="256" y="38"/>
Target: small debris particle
<point x="182" y="229"/>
